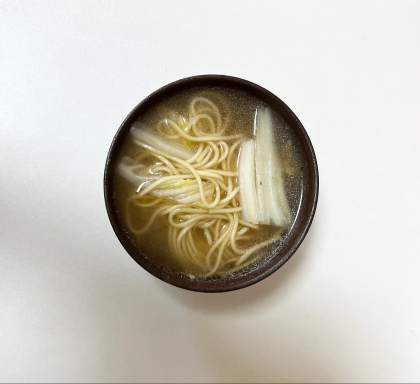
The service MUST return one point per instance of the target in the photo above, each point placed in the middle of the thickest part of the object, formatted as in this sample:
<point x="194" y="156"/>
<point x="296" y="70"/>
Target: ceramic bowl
<point x="304" y="216"/>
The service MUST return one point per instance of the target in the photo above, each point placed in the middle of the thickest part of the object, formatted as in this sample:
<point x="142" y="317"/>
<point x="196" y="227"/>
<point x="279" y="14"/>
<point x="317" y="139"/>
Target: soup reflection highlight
<point x="207" y="182"/>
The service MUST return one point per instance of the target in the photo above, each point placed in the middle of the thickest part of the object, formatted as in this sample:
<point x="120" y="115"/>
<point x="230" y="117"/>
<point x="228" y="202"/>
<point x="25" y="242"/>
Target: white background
<point x="75" y="307"/>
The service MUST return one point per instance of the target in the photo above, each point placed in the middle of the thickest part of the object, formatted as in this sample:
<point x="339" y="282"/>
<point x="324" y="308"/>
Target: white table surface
<point x="75" y="307"/>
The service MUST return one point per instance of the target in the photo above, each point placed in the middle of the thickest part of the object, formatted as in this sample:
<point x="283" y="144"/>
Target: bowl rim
<point x="177" y="279"/>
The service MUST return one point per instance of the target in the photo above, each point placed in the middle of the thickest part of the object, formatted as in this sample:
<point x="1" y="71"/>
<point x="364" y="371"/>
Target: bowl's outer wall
<point x="305" y="215"/>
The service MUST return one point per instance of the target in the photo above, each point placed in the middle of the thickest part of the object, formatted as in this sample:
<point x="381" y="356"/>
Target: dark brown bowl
<point x="304" y="217"/>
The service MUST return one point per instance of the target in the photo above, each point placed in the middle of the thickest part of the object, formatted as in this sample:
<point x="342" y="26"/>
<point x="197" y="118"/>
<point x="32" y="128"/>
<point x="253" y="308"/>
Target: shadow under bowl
<point x="304" y="216"/>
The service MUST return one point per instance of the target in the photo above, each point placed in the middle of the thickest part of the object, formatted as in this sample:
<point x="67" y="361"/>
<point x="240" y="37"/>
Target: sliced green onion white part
<point x="246" y="181"/>
<point x="273" y="207"/>
<point x="174" y="187"/>
<point x="152" y="138"/>
<point x="130" y="173"/>
<point x="193" y="197"/>
<point x="183" y="191"/>
<point x="262" y="196"/>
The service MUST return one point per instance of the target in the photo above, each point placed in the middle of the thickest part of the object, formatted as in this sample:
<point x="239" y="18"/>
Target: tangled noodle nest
<point x="208" y="232"/>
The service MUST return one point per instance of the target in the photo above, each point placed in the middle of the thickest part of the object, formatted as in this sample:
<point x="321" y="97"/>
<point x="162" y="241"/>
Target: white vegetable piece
<point x="152" y="138"/>
<point x="183" y="191"/>
<point x="273" y="207"/>
<point x="131" y="174"/>
<point x="261" y="190"/>
<point x="246" y="181"/>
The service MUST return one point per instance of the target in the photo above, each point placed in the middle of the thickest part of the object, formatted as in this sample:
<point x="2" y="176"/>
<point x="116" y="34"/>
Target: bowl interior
<point x="303" y="219"/>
